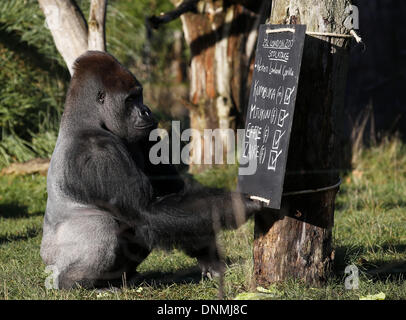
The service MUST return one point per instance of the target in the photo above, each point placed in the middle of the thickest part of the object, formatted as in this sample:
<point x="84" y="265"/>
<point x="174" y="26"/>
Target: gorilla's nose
<point x="144" y="112"/>
<point x="145" y="116"/>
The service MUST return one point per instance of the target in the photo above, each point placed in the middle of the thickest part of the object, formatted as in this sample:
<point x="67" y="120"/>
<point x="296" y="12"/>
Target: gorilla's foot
<point x="211" y="270"/>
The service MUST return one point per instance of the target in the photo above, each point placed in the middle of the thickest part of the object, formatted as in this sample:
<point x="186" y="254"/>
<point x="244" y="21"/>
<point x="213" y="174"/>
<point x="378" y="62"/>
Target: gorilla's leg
<point x="91" y="251"/>
<point x="209" y="259"/>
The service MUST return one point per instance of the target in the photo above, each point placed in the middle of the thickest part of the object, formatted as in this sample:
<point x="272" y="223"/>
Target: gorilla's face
<point x="116" y="93"/>
<point x="110" y="96"/>
<point x="125" y="115"/>
<point x="140" y="119"/>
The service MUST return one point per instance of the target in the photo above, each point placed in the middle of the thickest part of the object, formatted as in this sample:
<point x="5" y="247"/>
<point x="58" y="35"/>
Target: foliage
<point x="369" y="231"/>
<point x="145" y="52"/>
<point x="32" y="82"/>
<point x="25" y="19"/>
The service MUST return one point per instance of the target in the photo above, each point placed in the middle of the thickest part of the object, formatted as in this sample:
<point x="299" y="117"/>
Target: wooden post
<point x="296" y="241"/>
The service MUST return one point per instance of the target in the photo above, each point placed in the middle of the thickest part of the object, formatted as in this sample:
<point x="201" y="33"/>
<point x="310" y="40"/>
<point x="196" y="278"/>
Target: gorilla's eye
<point x="100" y="97"/>
<point x="132" y="98"/>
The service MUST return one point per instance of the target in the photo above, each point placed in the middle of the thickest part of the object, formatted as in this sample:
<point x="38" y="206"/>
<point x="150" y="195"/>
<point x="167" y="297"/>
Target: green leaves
<point x="33" y="81"/>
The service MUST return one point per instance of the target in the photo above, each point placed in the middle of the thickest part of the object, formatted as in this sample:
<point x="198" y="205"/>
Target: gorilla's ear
<point x="100" y="96"/>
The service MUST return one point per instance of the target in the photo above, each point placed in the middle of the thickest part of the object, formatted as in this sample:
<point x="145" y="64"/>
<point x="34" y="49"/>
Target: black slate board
<point x="270" y="110"/>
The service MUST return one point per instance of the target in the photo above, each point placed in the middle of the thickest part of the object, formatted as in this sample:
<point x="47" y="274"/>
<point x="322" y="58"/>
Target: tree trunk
<point x="68" y="28"/>
<point x="178" y="66"/>
<point x="296" y="241"/>
<point x="221" y="41"/>
<point x="97" y="15"/>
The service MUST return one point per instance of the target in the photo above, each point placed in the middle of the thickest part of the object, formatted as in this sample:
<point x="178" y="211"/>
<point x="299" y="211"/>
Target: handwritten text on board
<point x="270" y="110"/>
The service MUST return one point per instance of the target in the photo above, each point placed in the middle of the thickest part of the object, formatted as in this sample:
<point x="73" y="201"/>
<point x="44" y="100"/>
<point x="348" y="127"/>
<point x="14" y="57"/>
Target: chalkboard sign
<point x="270" y="111"/>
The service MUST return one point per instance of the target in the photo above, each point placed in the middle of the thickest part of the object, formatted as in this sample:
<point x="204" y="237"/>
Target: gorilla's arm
<point x="181" y="218"/>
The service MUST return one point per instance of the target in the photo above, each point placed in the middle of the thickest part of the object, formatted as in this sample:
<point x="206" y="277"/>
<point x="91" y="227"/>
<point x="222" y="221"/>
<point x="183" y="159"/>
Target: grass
<point x="369" y="231"/>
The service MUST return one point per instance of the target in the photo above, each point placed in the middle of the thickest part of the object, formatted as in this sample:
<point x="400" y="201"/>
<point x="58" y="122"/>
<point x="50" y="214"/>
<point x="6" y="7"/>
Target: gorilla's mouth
<point x="146" y="126"/>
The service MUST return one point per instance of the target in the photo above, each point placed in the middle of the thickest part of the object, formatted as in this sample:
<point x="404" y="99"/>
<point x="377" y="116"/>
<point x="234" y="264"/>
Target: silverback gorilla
<point x="104" y="211"/>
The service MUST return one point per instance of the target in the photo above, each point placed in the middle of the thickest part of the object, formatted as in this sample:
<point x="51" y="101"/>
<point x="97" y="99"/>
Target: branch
<point x="68" y="27"/>
<point x="185" y="6"/>
<point x="97" y="18"/>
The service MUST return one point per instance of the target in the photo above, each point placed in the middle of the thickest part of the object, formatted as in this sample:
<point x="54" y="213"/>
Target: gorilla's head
<point x="105" y="94"/>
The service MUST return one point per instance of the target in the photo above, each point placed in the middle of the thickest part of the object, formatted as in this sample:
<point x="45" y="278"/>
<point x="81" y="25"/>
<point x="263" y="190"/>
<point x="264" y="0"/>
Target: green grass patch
<point x="369" y="231"/>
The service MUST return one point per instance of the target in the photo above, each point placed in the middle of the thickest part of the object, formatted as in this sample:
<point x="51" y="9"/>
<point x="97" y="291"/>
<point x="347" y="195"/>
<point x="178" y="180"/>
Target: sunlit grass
<point x="369" y="231"/>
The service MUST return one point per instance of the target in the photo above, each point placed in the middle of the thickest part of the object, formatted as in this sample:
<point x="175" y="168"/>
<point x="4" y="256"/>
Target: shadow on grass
<point x="28" y="234"/>
<point x="394" y="204"/>
<point x="190" y="275"/>
<point x="16" y="211"/>
<point x="375" y="270"/>
<point x="360" y="205"/>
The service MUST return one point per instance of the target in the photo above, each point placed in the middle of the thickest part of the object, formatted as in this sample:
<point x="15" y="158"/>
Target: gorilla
<point x="106" y="208"/>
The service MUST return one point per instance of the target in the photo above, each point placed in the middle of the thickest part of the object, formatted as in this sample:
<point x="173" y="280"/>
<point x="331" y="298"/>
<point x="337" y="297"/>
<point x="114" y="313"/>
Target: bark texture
<point x="68" y="28"/>
<point x="97" y="17"/>
<point x="296" y="242"/>
<point x="222" y="38"/>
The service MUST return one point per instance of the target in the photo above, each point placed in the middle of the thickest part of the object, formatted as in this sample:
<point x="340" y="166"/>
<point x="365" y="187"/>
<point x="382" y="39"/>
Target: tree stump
<point x="296" y="241"/>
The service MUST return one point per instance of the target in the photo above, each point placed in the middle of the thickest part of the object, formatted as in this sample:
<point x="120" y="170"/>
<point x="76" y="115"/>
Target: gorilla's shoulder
<point x="97" y="138"/>
<point x="96" y="144"/>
